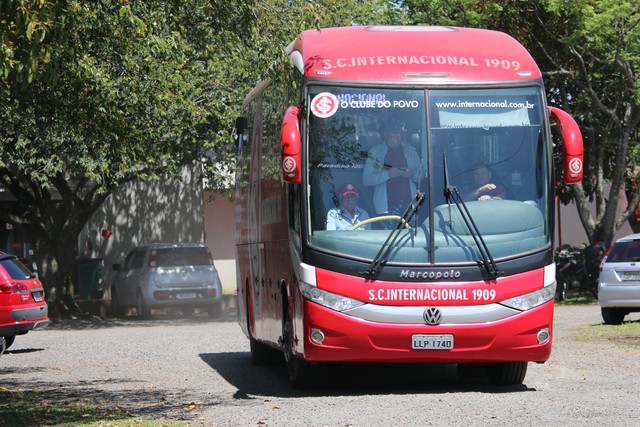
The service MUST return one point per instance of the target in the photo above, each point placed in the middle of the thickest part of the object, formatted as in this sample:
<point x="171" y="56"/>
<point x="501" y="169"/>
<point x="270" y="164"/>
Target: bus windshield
<point x="371" y="150"/>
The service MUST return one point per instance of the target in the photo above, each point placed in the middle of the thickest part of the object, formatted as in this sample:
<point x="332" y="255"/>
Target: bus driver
<point x="348" y="213"/>
<point x="483" y="188"/>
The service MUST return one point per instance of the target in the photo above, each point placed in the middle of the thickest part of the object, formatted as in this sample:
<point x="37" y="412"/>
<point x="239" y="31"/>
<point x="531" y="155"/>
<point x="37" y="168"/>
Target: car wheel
<point x="117" y="310"/>
<point x="215" y="311"/>
<point x="612" y="315"/>
<point x="8" y="340"/>
<point x="144" y="312"/>
<point x="2" y="346"/>
<point x="506" y="373"/>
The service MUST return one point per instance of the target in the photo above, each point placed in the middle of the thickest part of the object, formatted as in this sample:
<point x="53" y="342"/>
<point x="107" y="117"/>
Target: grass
<point x="37" y="408"/>
<point x="626" y="335"/>
<point x="579" y="299"/>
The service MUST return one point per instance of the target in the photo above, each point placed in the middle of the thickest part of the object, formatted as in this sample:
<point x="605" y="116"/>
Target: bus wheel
<point x="302" y="374"/>
<point x="506" y="373"/>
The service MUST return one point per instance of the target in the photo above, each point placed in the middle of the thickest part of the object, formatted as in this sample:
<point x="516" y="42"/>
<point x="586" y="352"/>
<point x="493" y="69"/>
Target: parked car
<point x="22" y="303"/>
<point x="162" y="275"/>
<point x="619" y="280"/>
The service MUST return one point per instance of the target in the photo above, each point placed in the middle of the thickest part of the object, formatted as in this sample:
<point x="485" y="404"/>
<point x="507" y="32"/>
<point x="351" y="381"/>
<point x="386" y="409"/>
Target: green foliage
<point x="96" y="94"/>
<point x="589" y="53"/>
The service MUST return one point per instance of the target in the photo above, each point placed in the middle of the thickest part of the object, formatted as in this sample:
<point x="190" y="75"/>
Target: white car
<point x="164" y="275"/>
<point x="619" y="280"/>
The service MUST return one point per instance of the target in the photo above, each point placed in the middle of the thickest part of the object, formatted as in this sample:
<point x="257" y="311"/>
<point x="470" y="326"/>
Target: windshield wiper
<point x="451" y="193"/>
<point x="381" y="257"/>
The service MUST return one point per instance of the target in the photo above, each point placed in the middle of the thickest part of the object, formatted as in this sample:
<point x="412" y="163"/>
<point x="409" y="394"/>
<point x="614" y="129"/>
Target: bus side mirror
<point x="573" y="150"/>
<point x="291" y="153"/>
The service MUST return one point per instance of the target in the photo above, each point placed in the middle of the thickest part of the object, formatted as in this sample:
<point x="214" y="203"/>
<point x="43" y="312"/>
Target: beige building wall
<point x="219" y="229"/>
<point x="145" y="212"/>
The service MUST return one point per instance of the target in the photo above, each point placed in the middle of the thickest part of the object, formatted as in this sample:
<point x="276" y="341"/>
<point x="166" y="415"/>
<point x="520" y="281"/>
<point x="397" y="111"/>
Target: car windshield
<point x="370" y="151"/>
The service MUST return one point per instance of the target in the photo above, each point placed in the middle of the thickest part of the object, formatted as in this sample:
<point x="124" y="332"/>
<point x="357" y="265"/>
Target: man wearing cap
<point x="392" y="169"/>
<point x="348" y="213"/>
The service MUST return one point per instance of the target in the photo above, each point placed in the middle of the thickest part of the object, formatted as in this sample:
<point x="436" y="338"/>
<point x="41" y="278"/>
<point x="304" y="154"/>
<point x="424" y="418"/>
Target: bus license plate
<point x="186" y="295"/>
<point x="432" y="342"/>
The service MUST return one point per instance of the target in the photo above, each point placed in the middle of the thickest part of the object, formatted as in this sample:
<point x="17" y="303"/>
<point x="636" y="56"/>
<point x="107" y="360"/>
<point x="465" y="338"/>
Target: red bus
<point x="423" y="272"/>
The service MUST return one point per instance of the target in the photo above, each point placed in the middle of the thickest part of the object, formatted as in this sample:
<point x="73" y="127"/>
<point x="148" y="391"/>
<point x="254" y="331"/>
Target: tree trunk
<point x="56" y="261"/>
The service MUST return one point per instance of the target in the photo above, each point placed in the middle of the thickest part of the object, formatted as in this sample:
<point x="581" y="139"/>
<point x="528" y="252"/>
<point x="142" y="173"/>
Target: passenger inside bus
<point x="392" y="169"/>
<point x="345" y="216"/>
<point x="483" y="186"/>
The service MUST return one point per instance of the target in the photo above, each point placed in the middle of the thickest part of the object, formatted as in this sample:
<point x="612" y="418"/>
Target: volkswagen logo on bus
<point x="432" y="316"/>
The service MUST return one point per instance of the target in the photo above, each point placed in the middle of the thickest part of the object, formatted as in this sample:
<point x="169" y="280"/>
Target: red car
<point x="22" y="304"/>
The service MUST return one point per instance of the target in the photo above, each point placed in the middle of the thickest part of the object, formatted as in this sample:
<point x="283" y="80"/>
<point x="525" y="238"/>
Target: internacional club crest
<point x="324" y="105"/>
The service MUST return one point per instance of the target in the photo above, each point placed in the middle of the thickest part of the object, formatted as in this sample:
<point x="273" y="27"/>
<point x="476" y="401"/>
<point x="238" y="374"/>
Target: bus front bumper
<point x="331" y="336"/>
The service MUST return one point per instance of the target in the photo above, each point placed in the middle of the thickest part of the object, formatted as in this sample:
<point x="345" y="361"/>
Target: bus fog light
<point x="317" y="336"/>
<point x="543" y="335"/>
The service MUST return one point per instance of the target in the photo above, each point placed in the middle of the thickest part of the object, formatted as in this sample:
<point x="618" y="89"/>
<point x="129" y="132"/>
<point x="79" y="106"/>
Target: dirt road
<point x="199" y="370"/>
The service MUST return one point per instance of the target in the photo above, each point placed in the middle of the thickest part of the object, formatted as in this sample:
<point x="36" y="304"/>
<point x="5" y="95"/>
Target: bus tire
<point x="506" y="373"/>
<point x="302" y="374"/>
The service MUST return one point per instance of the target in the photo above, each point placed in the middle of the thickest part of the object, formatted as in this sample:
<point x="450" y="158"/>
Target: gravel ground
<point x="199" y="371"/>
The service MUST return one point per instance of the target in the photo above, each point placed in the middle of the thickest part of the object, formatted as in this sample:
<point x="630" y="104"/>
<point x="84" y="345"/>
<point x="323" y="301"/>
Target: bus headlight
<point x="327" y="299"/>
<point x="531" y="300"/>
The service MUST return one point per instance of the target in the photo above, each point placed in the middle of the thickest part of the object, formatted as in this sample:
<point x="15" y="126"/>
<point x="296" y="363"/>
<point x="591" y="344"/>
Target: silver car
<point x="619" y="281"/>
<point x="164" y="275"/>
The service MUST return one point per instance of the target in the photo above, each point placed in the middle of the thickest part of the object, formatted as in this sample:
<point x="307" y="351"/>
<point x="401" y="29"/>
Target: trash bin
<point x="90" y="271"/>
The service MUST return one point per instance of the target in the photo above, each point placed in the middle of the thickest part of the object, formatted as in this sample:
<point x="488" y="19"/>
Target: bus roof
<point x="412" y="54"/>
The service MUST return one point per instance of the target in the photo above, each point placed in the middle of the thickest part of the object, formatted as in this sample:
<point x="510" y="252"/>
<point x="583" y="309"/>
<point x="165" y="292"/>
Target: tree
<point x="96" y="94"/>
<point x="589" y="54"/>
